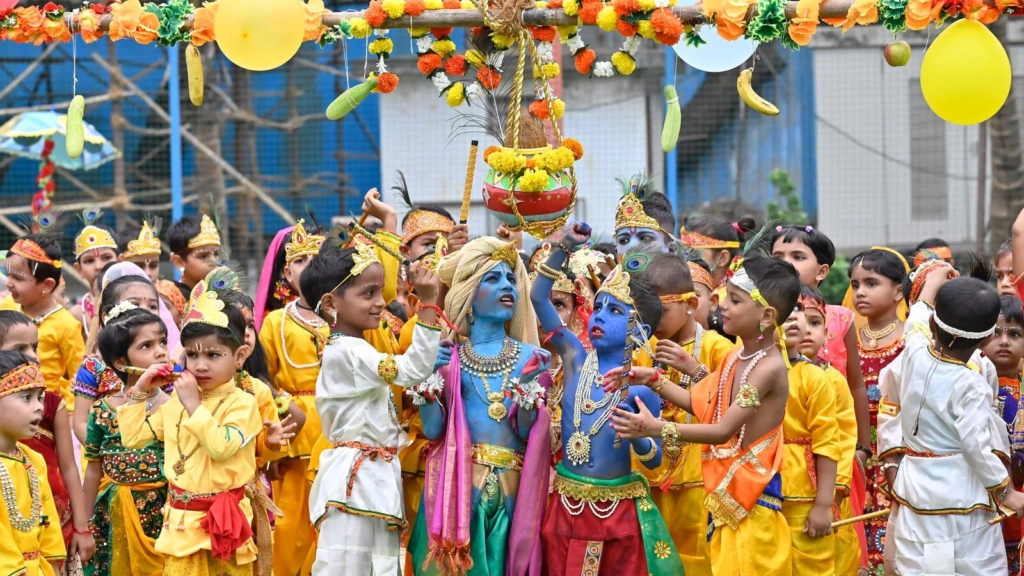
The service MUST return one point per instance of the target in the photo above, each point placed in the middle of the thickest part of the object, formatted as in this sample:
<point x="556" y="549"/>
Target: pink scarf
<point x="264" y="289"/>
<point x="525" y="554"/>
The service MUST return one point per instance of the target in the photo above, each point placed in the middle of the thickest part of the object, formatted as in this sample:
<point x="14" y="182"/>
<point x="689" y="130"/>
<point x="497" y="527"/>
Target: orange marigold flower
<point x="665" y="21"/>
<point x="489" y="151"/>
<point x="625" y="7"/>
<point x="89" y="26"/>
<point x="387" y="82"/>
<point x="589" y="11"/>
<point x="452" y="4"/>
<point x="441" y="32"/>
<point x="585" y="60"/>
<point x="30" y="25"/>
<point x="146" y="32"/>
<point x="489" y="77"/>
<point x="539" y="109"/>
<point x="543" y="33"/>
<point x="455" y="66"/>
<point x="202" y="23"/>
<point x="314" y="20"/>
<point x="414" y="7"/>
<point x="125" y="19"/>
<point x="667" y="39"/>
<point x="428" y="63"/>
<point x="627" y="29"/>
<point x="531" y="164"/>
<point x="804" y="22"/>
<point x="575" y="146"/>
<point x="555" y="4"/>
<point x="375" y="15"/>
<point x="921" y="13"/>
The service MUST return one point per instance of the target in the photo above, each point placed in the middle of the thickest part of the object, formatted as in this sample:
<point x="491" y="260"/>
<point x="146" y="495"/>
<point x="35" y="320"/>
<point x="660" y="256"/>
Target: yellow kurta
<point x="810" y="429"/>
<point x="682" y="504"/>
<point x="847" y="545"/>
<point x="268" y="413"/>
<point x="29" y="553"/>
<point x="61" y="348"/>
<point x="220" y="436"/>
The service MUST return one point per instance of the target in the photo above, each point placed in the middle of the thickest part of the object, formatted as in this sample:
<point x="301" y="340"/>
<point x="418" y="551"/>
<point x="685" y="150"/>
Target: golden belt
<point x="591" y="493"/>
<point x="917" y="454"/>
<point x="30" y="555"/>
<point x="304" y="393"/>
<point x="498" y="457"/>
<point x="812" y="463"/>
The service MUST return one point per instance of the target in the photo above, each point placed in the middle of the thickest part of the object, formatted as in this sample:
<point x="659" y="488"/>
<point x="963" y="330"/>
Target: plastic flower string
<point x="436" y="60"/>
<point x="729" y="16"/>
<point x="543" y="74"/>
<point x="921" y="13"/>
<point x="862" y="12"/>
<point x="315" y="27"/>
<point x="202" y="23"/>
<point x="804" y="23"/>
<point x="381" y="46"/>
<point x="769" y="23"/>
<point x="893" y="14"/>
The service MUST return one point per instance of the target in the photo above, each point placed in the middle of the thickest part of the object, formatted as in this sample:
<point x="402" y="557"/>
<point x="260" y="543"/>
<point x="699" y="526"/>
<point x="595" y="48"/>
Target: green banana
<point x="673" y="119"/>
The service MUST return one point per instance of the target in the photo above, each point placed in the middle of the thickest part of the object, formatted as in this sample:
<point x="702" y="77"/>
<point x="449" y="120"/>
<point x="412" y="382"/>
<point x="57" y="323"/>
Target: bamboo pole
<point x="690" y="15"/>
<point x="861" y="518"/>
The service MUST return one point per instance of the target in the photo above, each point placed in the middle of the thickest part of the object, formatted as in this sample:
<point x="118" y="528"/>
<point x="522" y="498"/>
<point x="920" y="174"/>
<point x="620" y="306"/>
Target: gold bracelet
<point x="645" y="457"/>
<point x="671" y="443"/>
<point x="548" y="272"/>
<point x="660" y="384"/>
<point x="139" y="396"/>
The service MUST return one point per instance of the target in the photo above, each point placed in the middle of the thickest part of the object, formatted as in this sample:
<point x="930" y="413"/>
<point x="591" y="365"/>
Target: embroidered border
<point x="592" y="558"/>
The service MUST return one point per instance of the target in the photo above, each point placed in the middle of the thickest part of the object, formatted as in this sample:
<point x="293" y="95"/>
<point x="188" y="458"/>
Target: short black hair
<point x="256" y="364"/>
<point x="130" y="233"/>
<point x="111" y="294"/>
<point x="107" y="229"/>
<point x="12" y="360"/>
<point x="116" y="338"/>
<point x="812" y="293"/>
<point x="233" y="336"/>
<point x="398" y="310"/>
<point x="820" y="244"/>
<point x="1004" y="249"/>
<point x="721" y="229"/>
<point x="51" y="247"/>
<point x="657" y="206"/>
<point x="882" y="262"/>
<point x="778" y="282"/>
<point x="967" y="304"/>
<point x="181" y="232"/>
<point x="1010" y="307"/>
<point x="669" y="274"/>
<point x="429" y="208"/>
<point x="9" y="319"/>
<point x="325" y="272"/>
<point x="931" y="243"/>
<point x="645" y="302"/>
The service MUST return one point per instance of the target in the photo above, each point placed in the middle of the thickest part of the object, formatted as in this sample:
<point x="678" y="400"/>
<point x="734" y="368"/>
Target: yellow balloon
<point x="965" y="75"/>
<point x="259" y="34"/>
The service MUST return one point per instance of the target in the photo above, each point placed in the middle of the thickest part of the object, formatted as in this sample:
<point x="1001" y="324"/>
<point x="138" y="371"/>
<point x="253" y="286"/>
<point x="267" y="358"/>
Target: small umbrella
<point x="26" y="134"/>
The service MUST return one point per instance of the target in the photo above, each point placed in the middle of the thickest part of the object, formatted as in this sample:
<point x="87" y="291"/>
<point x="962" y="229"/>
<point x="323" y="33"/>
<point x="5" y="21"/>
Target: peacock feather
<point x="91" y="215"/>
<point x="640" y="185"/>
<point x="224" y="278"/>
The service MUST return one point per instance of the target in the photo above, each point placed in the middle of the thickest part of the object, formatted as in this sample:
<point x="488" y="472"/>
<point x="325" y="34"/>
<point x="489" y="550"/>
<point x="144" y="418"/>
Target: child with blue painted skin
<point x="644" y="218"/>
<point x="601" y="517"/>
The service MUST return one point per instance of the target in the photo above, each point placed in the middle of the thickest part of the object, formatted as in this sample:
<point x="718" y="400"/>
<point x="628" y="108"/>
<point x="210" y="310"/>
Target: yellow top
<point x="810" y="428"/>
<point x="847" y="418"/>
<point x="29" y="552"/>
<point x="686" y="472"/>
<point x="268" y="412"/>
<point x="219" y="442"/>
<point x="61" y="348"/>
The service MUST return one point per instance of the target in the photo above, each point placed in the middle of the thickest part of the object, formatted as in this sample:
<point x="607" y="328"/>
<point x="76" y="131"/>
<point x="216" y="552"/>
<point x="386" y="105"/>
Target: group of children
<point x="405" y="399"/>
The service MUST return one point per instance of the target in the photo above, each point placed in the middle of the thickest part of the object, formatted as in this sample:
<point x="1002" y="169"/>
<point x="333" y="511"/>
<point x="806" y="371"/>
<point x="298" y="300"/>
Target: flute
<point x="136" y="371"/>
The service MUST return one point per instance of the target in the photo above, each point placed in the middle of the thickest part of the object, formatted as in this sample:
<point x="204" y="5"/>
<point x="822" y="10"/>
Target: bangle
<point x="648" y="456"/>
<point x="700" y="374"/>
<point x="548" y="272"/>
<point x="671" y="443"/>
<point x="886" y="465"/>
<point x="865" y="450"/>
<point x="140" y="396"/>
<point x="658" y="386"/>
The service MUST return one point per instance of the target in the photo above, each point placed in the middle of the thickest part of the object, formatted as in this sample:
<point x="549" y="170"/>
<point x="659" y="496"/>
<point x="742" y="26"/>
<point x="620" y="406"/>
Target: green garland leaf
<point x="693" y="40"/>
<point x="770" y="22"/>
<point x="335" y="33"/>
<point x="893" y="14"/>
<point x="788" y="42"/>
<point x="172" y="16"/>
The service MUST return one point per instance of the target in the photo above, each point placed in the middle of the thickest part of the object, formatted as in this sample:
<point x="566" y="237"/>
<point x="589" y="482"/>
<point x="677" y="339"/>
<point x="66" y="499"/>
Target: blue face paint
<point x="644" y="238"/>
<point x="608" y="324"/>
<point x="497" y="295"/>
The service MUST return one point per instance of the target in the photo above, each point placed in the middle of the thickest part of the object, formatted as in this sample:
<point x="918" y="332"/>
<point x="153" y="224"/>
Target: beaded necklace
<point x="727" y="374"/>
<point x="482" y="367"/>
<point x="313" y="326"/>
<point x="18" y="521"/>
<point x="38" y="320"/>
<point x="577" y="449"/>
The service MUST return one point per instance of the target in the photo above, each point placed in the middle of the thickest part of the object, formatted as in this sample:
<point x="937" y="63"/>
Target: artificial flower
<point x="861" y="12"/>
<point x="769" y="23"/>
<point x="360" y="28"/>
<point x="443" y="47"/>
<point x="374" y="14"/>
<point x="732" y="17"/>
<point x="666" y="22"/>
<point x="418" y="33"/>
<point x="575" y="43"/>
<point x="531" y="164"/>
<point x="53" y="25"/>
<point x="556" y="160"/>
<point x="921" y="13"/>
<point x="387" y="82"/>
<point x="532" y="181"/>
<point x="506" y="161"/>
<point x="574" y="146"/>
<point x="423" y="43"/>
<point x="428" y="63"/>
<point x="590" y="11"/>
<point x="978" y="10"/>
<point x="547" y="71"/>
<point x="393" y="8"/>
<point x="451" y="4"/>
<point x="89" y="25"/>
<point x="488" y="77"/>
<point x="566" y="32"/>
<point x="490" y="150"/>
<point x="543" y="33"/>
<point x="455" y="95"/>
<point x="476" y="58"/>
<point x="555" y="4"/>
<point x="147" y="30"/>
<point x="415" y="7"/>
<point x="625" y="7"/>
<point x="571" y="7"/>
<point x="585" y="61"/>
<point x="29" y="28"/>
<point x="202" y="23"/>
<point x="545" y="52"/>
<point x="441" y="32"/>
<point x="624" y="63"/>
<point x="539" y="109"/>
<point x="456" y="65"/>
<point x="647" y="5"/>
<point x="125" y="18"/>
<point x="440" y="81"/>
<point x="502" y="41"/>
<point x="607" y="18"/>
<point x="315" y="27"/>
<point x="626" y="28"/>
<point x="473" y="91"/>
<point x="805" y="22"/>
<point x="646" y="30"/>
<point x="381" y="46"/>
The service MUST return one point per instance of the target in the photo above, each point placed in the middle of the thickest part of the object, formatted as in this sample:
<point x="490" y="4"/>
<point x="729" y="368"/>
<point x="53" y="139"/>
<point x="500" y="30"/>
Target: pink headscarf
<point x="264" y="289"/>
<point x="122" y="269"/>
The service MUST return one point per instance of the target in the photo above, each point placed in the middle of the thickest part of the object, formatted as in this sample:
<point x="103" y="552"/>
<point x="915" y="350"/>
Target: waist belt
<point x="917" y="454"/>
<point x="595" y="493"/>
<point x="498" y="457"/>
<point x="304" y="393"/>
<point x="224" y="520"/>
<point x="812" y="464"/>
<point x="385" y="453"/>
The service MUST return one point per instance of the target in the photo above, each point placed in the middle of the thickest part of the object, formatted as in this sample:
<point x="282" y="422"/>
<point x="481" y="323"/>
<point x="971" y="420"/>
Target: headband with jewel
<point x="93" y="238"/>
<point x="204" y="307"/>
<point x="363" y="257"/>
<point x="617" y="286"/>
<point x="702" y="242"/>
<point x="507" y="254"/>
<point x="208" y="234"/>
<point x="24" y="377"/>
<point x="419" y="222"/>
<point x="31" y="251"/>
<point x="147" y="244"/>
<point x="302" y="244"/>
<point x="936" y="253"/>
<point x="630" y="214"/>
<point x="701" y="276"/>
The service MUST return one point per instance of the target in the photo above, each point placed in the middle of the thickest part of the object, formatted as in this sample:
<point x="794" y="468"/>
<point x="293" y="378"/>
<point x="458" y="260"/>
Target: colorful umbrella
<point x="26" y="135"/>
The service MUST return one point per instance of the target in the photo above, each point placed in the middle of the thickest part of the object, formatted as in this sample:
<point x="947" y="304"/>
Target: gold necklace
<point x="18" y="521"/>
<point x="874" y="336"/>
<point x="577" y="449"/>
<point x="482" y="367"/>
<point x="179" y="466"/>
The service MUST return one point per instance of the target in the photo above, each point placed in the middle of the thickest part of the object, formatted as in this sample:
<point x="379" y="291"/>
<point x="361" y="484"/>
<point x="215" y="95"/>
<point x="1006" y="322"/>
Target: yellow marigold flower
<point x="551" y="69"/>
<point x="393" y="8"/>
<point x="540" y="5"/>
<point x="555" y="160"/>
<point x="558" y="107"/>
<point x="433" y="4"/>
<point x="564" y="32"/>
<point x="418" y="32"/>
<point x="571" y="7"/>
<point x="382" y="46"/>
<point x="532" y="181"/>
<point x="456" y="94"/>
<point x="502" y="41"/>
<point x="443" y="48"/>
<point x="646" y="5"/>
<point x="646" y="30"/>
<point x="360" y="28"/>
<point x="506" y="161"/>
<point x="607" y="19"/>
<point x="624" y="63"/>
<point x="476" y="58"/>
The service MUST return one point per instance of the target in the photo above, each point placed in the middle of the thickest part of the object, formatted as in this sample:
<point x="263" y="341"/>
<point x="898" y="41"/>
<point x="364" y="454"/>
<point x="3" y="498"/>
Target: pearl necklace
<point x="19" y="522"/>
<point x="314" y="327"/>
<point x="732" y="451"/>
<point x="577" y="449"/>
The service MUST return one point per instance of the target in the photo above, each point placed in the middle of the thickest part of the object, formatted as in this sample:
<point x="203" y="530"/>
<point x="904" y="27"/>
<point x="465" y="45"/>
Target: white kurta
<point x="355" y="405"/>
<point x="945" y="411"/>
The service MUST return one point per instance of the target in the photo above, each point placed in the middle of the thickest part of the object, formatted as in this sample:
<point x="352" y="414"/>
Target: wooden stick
<point x="861" y="518"/>
<point x="357" y="229"/>
<point x="593" y="277"/>
<point x="467" y="190"/>
<point x="1004" y="514"/>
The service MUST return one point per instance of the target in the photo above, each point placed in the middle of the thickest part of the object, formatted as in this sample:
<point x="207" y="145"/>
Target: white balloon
<point x="718" y="55"/>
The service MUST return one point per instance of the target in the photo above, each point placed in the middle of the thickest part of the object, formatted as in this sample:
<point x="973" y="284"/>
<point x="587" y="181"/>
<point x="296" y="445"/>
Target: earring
<point x="334" y="316"/>
<point x="689" y="312"/>
<point x="181" y="270"/>
<point x="761" y="337"/>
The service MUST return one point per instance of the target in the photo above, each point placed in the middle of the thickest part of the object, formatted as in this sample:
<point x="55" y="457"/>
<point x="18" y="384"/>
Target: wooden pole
<point x="467" y="189"/>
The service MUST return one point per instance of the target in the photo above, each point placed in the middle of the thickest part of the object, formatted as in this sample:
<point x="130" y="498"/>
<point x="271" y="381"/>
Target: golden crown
<point x="617" y="286"/>
<point x="419" y="222"/>
<point x="208" y="234"/>
<point x="364" y="257"/>
<point x="433" y="260"/>
<point x="21" y="378"/>
<point x="302" y="244"/>
<point x="204" y="307"/>
<point x="92" y="238"/>
<point x="583" y="260"/>
<point x="507" y="254"/>
<point x="147" y="244"/>
<point x="630" y="214"/>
